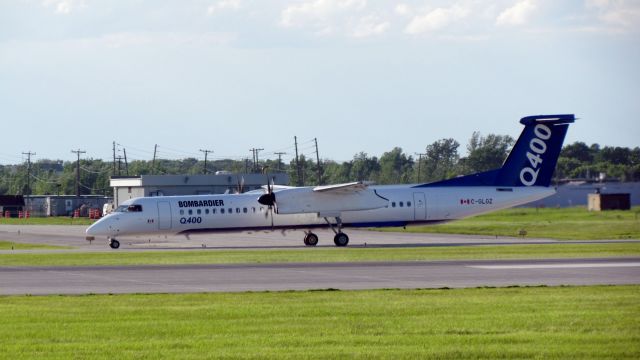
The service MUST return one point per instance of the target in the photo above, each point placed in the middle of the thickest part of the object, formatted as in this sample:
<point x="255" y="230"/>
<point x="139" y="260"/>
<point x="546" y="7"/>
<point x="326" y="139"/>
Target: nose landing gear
<point x="114" y="244"/>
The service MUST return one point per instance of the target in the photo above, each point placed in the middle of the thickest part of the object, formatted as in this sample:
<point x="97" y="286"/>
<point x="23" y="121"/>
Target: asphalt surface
<point x="345" y="276"/>
<point x="74" y="236"/>
<point x="274" y="277"/>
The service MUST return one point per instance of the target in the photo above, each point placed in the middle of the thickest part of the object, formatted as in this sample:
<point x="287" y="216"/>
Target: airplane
<point x="525" y="176"/>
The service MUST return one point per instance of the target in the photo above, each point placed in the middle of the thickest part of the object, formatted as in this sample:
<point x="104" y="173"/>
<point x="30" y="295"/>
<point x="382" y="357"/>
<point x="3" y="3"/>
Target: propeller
<point x="269" y="199"/>
<point x="240" y="188"/>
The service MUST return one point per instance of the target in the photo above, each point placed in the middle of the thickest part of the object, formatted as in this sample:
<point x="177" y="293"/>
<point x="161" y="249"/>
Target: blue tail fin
<point x="532" y="160"/>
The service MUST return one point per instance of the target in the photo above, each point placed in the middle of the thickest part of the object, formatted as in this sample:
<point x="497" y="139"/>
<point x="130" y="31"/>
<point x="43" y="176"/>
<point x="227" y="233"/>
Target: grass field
<point x="9" y="245"/>
<point x="60" y="220"/>
<point x="525" y="323"/>
<point x="562" y="250"/>
<point x="566" y="224"/>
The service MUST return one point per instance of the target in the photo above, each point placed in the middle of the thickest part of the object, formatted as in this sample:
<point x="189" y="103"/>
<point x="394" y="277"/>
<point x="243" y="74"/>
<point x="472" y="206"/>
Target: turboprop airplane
<point x="525" y="176"/>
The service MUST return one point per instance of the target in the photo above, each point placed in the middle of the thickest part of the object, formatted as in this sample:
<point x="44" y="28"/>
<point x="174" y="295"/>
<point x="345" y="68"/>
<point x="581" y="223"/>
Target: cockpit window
<point x="135" y="208"/>
<point x="129" y="208"/>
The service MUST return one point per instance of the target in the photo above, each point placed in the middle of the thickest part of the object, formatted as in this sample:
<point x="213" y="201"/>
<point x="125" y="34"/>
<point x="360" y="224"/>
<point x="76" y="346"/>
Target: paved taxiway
<point x="74" y="236"/>
<point x="377" y="275"/>
<point x="346" y="276"/>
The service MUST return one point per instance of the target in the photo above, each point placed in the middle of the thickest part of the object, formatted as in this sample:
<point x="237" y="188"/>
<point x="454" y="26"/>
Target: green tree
<point x="441" y="159"/>
<point x="395" y="167"/>
<point x="364" y="168"/>
<point x="486" y="152"/>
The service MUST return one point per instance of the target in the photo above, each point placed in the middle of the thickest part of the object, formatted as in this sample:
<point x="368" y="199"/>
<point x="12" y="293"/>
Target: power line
<point x="78" y="152"/>
<point x="206" y="152"/>
<point x="256" y="161"/>
<point x="280" y="159"/>
<point x="420" y="155"/>
<point x="28" y="189"/>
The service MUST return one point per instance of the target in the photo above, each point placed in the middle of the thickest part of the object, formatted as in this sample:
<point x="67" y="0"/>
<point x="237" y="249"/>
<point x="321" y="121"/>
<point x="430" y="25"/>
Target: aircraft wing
<point x="329" y="200"/>
<point x="345" y="188"/>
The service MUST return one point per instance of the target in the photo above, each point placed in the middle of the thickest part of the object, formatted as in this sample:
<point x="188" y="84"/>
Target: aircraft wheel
<point x="311" y="239"/>
<point x="341" y="239"/>
<point x="114" y="243"/>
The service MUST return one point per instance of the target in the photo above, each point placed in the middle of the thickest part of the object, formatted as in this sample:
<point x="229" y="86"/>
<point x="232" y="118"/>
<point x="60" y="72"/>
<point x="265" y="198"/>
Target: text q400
<point x="537" y="147"/>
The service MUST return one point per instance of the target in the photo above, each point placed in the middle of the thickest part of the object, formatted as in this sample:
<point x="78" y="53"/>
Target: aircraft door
<point x="420" y="206"/>
<point x="164" y="215"/>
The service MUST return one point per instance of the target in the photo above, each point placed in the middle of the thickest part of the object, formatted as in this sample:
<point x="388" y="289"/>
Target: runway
<point x="308" y="276"/>
<point x="73" y="235"/>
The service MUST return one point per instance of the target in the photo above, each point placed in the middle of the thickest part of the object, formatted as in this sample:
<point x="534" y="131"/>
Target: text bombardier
<point x="200" y="203"/>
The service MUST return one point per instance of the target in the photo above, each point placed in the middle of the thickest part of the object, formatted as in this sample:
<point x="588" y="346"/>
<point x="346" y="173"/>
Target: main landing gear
<point x="340" y="239"/>
<point x="310" y="239"/>
<point x="114" y="243"/>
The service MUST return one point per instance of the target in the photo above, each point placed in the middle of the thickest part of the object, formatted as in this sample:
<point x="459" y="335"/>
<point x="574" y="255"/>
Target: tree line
<point x="440" y="160"/>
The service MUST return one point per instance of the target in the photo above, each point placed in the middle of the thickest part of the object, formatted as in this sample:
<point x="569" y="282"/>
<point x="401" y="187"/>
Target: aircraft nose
<point x="101" y="227"/>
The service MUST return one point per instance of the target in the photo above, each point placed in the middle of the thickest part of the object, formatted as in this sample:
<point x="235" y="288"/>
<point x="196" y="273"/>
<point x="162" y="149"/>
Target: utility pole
<point x="126" y="163"/>
<point x="420" y="155"/>
<point x="318" y="162"/>
<point x="280" y="159"/>
<point x="206" y="152"/>
<point x="256" y="161"/>
<point x="119" y="159"/>
<point x="114" y="158"/>
<point x="153" y="164"/>
<point x="78" y="152"/>
<point x="295" y="139"/>
<point x="28" y="189"/>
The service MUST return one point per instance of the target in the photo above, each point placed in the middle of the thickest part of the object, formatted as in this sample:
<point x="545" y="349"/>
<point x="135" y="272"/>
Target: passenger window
<point x="393" y="204"/>
<point x="190" y="212"/>
<point x="244" y="210"/>
<point x="230" y="211"/>
<point x="254" y="209"/>
<point x="401" y="204"/>
<point x="181" y="212"/>
<point x="222" y="211"/>
<point x="206" y="211"/>
<point x="199" y="211"/>
<point x="409" y="203"/>
<point x="237" y="210"/>
<point x="213" y="211"/>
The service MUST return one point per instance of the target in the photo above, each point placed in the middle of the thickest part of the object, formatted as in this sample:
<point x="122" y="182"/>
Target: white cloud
<point x="518" y="14"/>
<point x="402" y="9"/>
<point x="135" y="39"/>
<point x="616" y="13"/>
<point x="437" y="19"/>
<point x="368" y="26"/>
<point x="223" y="5"/>
<point x="64" y="6"/>
<point x="318" y="13"/>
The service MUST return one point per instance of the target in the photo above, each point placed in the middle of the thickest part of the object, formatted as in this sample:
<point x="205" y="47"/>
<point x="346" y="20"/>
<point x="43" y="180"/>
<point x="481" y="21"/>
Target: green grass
<point x="563" y="250"/>
<point x="526" y="323"/>
<point x="564" y="224"/>
<point x="60" y="220"/>
<point x="9" y="245"/>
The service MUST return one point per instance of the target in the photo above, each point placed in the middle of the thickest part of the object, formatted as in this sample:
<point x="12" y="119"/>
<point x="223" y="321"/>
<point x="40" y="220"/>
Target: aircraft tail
<point x="532" y="160"/>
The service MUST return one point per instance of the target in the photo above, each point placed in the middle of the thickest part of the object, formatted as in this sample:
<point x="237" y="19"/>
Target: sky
<point x="358" y="75"/>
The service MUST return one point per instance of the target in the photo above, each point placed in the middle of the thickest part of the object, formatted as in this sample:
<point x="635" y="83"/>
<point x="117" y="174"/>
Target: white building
<point x="129" y="187"/>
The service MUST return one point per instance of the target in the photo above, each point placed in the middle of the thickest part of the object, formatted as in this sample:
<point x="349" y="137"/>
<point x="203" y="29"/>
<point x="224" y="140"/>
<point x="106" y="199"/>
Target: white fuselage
<point x="407" y="205"/>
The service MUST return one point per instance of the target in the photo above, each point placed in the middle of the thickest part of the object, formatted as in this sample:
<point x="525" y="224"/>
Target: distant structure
<point x="576" y="193"/>
<point x="11" y="205"/>
<point x="600" y="202"/>
<point x="129" y="187"/>
<point x="64" y="205"/>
